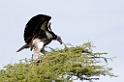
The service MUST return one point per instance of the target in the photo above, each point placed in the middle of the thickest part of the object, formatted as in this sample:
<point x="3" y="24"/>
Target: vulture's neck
<point x="49" y="35"/>
<point x="49" y="38"/>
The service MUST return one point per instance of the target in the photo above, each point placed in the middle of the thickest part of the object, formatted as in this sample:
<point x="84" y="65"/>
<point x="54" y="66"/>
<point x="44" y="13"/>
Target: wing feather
<point x="36" y="26"/>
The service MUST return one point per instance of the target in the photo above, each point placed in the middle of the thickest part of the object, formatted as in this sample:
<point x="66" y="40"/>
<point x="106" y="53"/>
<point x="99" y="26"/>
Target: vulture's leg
<point x="38" y="46"/>
<point x="43" y="51"/>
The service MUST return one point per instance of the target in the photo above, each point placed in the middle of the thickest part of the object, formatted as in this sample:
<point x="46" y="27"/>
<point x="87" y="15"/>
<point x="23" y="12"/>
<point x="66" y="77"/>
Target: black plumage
<point x="33" y="27"/>
<point x="38" y="33"/>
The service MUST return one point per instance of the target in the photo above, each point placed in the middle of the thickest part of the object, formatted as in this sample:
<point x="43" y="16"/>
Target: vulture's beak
<point x="59" y="39"/>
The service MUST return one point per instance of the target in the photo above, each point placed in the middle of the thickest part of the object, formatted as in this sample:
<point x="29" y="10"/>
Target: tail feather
<point x="24" y="46"/>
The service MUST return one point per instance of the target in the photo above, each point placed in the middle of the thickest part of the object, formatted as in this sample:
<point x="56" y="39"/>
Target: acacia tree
<point x="59" y="65"/>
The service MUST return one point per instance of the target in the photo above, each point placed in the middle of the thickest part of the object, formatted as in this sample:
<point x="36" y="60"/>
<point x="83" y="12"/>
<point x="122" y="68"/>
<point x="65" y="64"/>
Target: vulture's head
<point x="59" y="39"/>
<point x="55" y="37"/>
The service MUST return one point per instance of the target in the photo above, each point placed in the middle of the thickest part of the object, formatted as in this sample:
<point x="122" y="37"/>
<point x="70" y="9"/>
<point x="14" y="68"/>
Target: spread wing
<point x="36" y="26"/>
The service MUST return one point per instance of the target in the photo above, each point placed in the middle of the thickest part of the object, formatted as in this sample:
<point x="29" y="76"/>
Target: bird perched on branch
<point x="38" y="34"/>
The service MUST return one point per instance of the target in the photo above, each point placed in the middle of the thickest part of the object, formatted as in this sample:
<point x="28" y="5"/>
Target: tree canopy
<point x="59" y="65"/>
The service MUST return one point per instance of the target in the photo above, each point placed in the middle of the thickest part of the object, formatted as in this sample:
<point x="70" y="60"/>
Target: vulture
<point x="38" y="34"/>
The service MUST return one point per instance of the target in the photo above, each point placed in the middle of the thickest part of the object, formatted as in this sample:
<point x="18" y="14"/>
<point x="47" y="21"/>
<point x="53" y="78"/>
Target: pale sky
<point x="76" y="21"/>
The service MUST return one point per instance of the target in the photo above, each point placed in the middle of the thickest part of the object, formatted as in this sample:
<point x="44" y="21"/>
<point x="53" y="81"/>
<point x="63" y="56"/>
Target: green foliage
<point x="58" y="65"/>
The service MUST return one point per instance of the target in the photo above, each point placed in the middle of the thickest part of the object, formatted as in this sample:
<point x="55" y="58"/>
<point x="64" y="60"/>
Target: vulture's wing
<point x="36" y="25"/>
